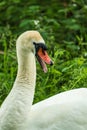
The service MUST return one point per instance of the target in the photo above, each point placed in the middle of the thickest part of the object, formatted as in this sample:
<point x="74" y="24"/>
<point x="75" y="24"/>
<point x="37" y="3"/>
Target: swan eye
<point x="40" y="45"/>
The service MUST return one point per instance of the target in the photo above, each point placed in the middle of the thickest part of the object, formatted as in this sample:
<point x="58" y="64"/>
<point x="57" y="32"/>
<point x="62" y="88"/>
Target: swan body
<point x="65" y="111"/>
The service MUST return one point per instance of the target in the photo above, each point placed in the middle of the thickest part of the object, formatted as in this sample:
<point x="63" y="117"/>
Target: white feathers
<point x="65" y="111"/>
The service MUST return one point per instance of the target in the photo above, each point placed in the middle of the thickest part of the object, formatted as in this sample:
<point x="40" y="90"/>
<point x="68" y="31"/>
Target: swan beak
<point x="43" y="58"/>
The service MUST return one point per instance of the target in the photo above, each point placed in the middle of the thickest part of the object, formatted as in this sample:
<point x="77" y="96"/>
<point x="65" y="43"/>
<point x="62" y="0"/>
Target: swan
<point x="64" y="111"/>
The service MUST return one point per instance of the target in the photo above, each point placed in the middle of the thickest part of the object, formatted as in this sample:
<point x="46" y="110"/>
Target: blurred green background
<point x="63" y="25"/>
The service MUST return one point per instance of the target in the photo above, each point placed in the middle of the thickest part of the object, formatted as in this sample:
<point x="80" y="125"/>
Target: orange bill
<point x="43" y="58"/>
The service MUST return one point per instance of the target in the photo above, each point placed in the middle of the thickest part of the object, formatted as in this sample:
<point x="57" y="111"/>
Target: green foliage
<point x="63" y="26"/>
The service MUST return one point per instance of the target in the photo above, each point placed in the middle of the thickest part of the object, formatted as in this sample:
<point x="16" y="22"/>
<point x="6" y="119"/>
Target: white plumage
<point x="65" y="111"/>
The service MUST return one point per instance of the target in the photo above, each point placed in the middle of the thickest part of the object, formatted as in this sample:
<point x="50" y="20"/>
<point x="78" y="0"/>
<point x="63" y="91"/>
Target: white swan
<point x="65" y="111"/>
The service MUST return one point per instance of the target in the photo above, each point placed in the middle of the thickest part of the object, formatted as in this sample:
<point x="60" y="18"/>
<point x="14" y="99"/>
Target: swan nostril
<point x="51" y="62"/>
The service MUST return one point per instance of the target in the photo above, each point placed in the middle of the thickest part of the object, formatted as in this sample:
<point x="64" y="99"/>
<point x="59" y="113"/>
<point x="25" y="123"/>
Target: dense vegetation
<point x="63" y="26"/>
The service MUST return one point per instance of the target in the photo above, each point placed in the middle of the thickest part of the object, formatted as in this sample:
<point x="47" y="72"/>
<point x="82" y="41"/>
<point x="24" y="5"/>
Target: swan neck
<point x="15" y="109"/>
<point x="26" y="69"/>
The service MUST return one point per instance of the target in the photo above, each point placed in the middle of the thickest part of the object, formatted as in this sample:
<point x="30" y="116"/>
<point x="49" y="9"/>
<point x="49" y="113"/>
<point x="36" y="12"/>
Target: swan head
<point x="32" y="42"/>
